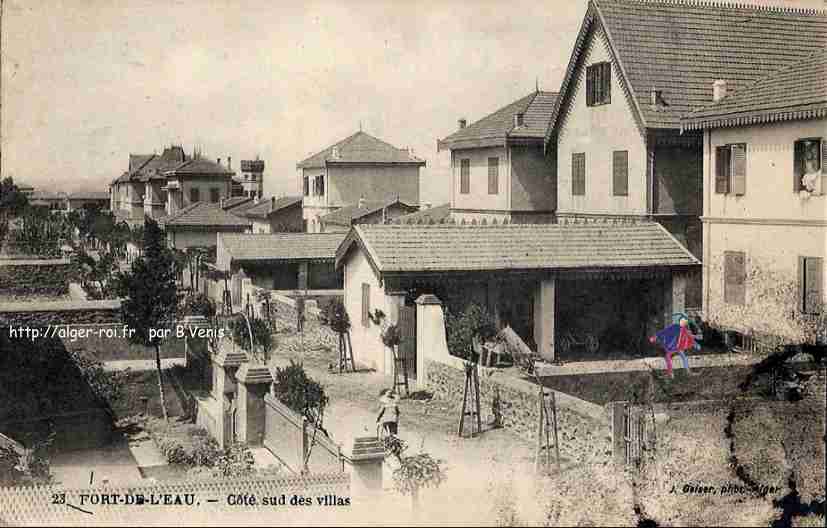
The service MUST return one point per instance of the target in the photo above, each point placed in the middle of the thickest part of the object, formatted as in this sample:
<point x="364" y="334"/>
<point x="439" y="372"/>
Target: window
<point x="620" y="172"/>
<point x="306" y="186"/>
<point x="735" y="272"/>
<point x="578" y="174"/>
<point x="365" y="305"/>
<point x="195" y="195"/>
<point x="731" y="169"/>
<point x="808" y="158"/>
<point x="465" y="176"/>
<point x="215" y="195"/>
<point x="319" y="185"/>
<point x="493" y="175"/>
<point x="599" y="84"/>
<point x="810" y="274"/>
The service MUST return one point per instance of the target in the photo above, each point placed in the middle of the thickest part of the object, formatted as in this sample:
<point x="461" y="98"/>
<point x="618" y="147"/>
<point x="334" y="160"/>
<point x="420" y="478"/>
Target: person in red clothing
<point x="675" y="339"/>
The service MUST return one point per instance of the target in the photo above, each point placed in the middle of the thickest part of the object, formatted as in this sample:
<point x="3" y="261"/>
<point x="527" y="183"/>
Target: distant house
<point x="546" y="281"/>
<point x="274" y="215"/>
<point x="364" y="212"/>
<point x="237" y="204"/>
<point x="197" y="180"/>
<point x="765" y="181"/>
<point x="252" y="179"/>
<point x="198" y="224"/>
<point x="358" y="167"/>
<point x="280" y="261"/>
<point x="427" y="215"/>
<point x="499" y="170"/>
<point x="53" y="201"/>
<point x="81" y="200"/>
<point x="24" y="188"/>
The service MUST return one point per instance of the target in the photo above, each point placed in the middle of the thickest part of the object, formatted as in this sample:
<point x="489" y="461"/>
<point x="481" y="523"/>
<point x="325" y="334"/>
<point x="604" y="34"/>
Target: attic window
<point x="599" y="84"/>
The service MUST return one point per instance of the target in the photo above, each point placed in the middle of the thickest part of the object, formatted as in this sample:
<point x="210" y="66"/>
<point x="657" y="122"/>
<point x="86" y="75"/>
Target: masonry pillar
<point x="366" y="461"/>
<point x="253" y="384"/>
<point x="679" y="281"/>
<point x="303" y="276"/>
<point x="544" y="314"/>
<point x="431" y="343"/>
<point x="225" y="365"/>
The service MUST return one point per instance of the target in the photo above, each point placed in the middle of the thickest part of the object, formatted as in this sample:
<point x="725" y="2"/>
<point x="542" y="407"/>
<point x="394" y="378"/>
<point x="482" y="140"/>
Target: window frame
<point x="616" y="189"/>
<point x="798" y="164"/>
<point x="738" y="296"/>
<point x="599" y="83"/>
<point x="493" y="175"/>
<point x="731" y="182"/>
<point x="365" y="304"/>
<point x="465" y="176"/>
<point x="578" y="184"/>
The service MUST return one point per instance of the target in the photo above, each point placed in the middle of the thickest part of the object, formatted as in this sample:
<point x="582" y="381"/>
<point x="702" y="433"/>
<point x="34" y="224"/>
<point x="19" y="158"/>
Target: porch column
<point x="303" y="276"/>
<point x="253" y="384"/>
<point x="430" y="337"/>
<point x="544" y="297"/>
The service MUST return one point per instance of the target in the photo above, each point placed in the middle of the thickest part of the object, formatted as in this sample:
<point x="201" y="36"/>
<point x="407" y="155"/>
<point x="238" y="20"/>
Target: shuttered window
<point x="810" y="284"/>
<point x="620" y="173"/>
<point x="599" y="84"/>
<point x="738" y="153"/>
<point x="722" y="166"/>
<point x="735" y="273"/>
<point x="307" y="186"/>
<point x="578" y="174"/>
<point x="195" y="195"/>
<point x="493" y="175"/>
<point x="318" y="185"/>
<point x="465" y="176"/>
<point x="365" y="304"/>
<point x="808" y="156"/>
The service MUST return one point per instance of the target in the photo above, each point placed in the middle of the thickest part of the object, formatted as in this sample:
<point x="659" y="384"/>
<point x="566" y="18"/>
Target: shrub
<point x="460" y="329"/>
<point x="261" y="330"/>
<point x="334" y="314"/>
<point x="198" y="304"/>
<point x="300" y="393"/>
<point x="391" y="337"/>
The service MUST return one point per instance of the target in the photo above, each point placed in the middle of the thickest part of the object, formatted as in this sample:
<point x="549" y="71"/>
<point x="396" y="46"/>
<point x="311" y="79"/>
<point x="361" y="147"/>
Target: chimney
<point x="461" y="122"/>
<point x="718" y="90"/>
<point x="654" y="97"/>
<point x="361" y="202"/>
<point x="518" y="119"/>
<point x="229" y="163"/>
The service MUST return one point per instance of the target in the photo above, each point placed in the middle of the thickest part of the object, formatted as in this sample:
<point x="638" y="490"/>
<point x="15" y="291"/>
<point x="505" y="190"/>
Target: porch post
<point x="544" y="298"/>
<point x="303" y="272"/>
<point x="679" y="292"/>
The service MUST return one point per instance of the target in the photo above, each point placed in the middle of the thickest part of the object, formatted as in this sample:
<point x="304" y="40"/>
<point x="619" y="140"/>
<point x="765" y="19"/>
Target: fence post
<point x="618" y="423"/>
<point x="305" y="445"/>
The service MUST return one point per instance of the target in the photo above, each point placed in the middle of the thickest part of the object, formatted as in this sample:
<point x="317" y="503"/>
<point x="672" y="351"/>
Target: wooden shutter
<point x="620" y="172"/>
<point x="798" y="165"/>
<point x="306" y="186"/>
<point x="734" y="277"/>
<point x="739" y="169"/>
<point x="823" y="156"/>
<point x="365" y="304"/>
<point x="812" y="284"/>
<point x="493" y="175"/>
<point x="321" y="185"/>
<point x="606" y="82"/>
<point x="722" y="167"/>
<point x="465" y="176"/>
<point x="590" y="86"/>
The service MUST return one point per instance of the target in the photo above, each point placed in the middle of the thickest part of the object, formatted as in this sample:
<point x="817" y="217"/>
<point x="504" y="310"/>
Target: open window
<point x="731" y="169"/>
<point x="808" y="164"/>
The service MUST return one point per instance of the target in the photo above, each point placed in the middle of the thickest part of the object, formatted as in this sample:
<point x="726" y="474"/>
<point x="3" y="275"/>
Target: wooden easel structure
<point x="471" y="400"/>
<point x="346" y="353"/>
<point x="546" y="426"/>
<point x="400" y="371"/>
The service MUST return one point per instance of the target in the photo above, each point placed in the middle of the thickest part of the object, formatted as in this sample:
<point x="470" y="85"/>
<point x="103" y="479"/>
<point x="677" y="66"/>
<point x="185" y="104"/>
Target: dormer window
<point x="599" y="84"/>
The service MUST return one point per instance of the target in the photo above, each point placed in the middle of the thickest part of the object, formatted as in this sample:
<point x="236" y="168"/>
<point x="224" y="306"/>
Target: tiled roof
<point x="47" y="195"/>
<point x="425" y="216"/>
<point x="360" y="148"/>
<point x="89" y="195"/>
<point x="796" y="92"/>
<point x="199" y="166"/>
<point x="280" y="246"/>
<point x="236" y="201"/>
<point x="537" y="109"/>
<point x="679" y="47"/>
<point x="204" y="214"/>
<point x="450" y="247"/>
<point x="350" y="213"/>
<point x="265" y="207"/>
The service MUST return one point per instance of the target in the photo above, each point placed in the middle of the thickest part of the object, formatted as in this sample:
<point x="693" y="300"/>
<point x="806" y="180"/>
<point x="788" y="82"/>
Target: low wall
<point x="582" y="427"/>
<point x="43" y="277"/>
<point x="289" y="437"/>
<point x="106" y="342"/>
<point x="54" y="313"/>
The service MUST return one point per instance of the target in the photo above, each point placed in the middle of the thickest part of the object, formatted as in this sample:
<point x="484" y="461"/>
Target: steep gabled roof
<point x="796" y="92"/>
<point x="361" y="147"/>
<point x="679" y="47"/>
<point x="203" y="214"/>
<point x="495" y="128"/>
<point x="393" y="248"/>
<point x="264" y="208"/>
<point x="349" y="214"/>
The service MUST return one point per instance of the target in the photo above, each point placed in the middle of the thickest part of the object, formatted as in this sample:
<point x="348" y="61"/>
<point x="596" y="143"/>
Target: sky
<point x="87" y="82"/>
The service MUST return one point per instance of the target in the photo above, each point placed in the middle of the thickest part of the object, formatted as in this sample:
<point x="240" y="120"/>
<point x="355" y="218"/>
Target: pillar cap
<point x="226" y="357"/>
<point x="367" y="448"/>
<point x="428" y="298"/>
<point x="249" y="374"/>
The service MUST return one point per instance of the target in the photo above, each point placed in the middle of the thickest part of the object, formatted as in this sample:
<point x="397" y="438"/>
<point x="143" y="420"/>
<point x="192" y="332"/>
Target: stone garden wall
<point x="41" y="277"/>
<point x="46" y="313"/>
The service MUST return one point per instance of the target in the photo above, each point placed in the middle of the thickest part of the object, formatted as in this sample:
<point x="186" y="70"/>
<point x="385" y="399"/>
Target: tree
<point x="12" y="201"/>
<point x="150" y="295"/>
<point x="414" y="471"/>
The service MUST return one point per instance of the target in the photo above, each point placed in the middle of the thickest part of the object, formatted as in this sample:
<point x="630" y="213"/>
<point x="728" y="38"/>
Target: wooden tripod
<point x="346" y="353"/>
<point x="471" y="400"/>
<point x="546" y="426"/>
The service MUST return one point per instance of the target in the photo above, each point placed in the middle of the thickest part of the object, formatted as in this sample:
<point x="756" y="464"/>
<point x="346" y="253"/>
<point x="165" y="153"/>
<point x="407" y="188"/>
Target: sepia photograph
<point x="423" y="263"/>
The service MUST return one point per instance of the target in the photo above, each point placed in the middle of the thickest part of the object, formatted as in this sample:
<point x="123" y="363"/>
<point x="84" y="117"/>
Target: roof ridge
<point x="731" y="6"/>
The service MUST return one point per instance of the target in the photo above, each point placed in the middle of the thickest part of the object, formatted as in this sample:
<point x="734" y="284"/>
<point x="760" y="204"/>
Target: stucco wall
<point x="478" y="197"/>
<point x="533" y="179"/>
<point x="203" y="184"/>
<point x="367" y="342"/>
<point x="598" y="131"/>
<point x="182" y="238"/>
<point x="345" y="185"/>
<point x="769" y="180"/>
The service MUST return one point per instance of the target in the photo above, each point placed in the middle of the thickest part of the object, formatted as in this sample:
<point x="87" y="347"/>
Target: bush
<point x="191" y="447"/>
<point x="334" y="315"/>
<point x="261" y="330"/>
<point x="460" y="329"/>
<point x="300" y="393"/>
<point x="391" y="337"/>
<point x="198" y="304"/>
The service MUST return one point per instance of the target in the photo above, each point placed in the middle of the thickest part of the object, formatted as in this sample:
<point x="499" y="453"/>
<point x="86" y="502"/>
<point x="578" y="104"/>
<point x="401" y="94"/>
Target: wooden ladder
<point x="471" y="400"/>
<point x="346" y="353"/>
